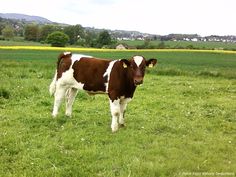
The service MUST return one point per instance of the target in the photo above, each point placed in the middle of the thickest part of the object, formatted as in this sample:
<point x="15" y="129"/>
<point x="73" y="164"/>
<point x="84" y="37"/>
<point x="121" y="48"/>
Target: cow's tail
<point x="52" y="87"/>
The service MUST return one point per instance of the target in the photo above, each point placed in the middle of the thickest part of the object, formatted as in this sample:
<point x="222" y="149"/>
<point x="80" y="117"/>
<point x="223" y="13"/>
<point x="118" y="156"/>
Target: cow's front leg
<point x="115" y="112"/>
<point x="123" y="105"/>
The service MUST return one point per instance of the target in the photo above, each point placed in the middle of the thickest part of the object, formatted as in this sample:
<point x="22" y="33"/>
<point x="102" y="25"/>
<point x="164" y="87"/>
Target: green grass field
<point x="181" y="122"/>
<point x="21" y="43"/>
<point x="184" y="44"/>
<point x="169" y="44"/>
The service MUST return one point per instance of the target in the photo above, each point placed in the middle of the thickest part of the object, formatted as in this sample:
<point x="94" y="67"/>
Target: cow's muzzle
<point x="138" y="81"/>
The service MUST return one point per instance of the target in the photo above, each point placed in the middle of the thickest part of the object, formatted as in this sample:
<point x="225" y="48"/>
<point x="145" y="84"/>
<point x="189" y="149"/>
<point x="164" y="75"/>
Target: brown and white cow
<point x="117" y="78"/>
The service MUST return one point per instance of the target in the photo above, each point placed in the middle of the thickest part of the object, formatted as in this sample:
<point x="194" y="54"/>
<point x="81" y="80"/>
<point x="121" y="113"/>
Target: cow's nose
<point x="138" y="81"/>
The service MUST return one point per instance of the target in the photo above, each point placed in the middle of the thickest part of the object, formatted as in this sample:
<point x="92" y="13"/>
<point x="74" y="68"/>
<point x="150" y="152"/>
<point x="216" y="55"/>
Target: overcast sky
<point x="204" y="17"/>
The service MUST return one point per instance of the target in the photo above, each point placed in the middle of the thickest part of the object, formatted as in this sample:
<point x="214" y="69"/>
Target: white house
<point x="120" y="47"/>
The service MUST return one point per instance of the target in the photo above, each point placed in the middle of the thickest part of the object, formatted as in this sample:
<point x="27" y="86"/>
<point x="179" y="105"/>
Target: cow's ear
<point x="125" y="63"/>
<point x="151" y="62"/>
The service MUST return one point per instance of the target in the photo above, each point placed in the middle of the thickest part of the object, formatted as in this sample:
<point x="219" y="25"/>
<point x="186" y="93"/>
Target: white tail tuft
<point x="52" y="87"/>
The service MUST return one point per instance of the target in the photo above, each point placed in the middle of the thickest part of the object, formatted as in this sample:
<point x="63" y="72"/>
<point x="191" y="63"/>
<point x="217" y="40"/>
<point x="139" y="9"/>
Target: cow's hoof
<point x="68" y="115"/>
<point x="114" y="129"/>
<point x="54" y="116"/>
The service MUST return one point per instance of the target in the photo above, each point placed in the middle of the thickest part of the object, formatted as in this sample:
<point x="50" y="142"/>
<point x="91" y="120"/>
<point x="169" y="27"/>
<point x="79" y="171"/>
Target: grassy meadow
<point x="184" y="44"/>
<point x="169" y="44"/>
<point x="181" y="122"/>
<point x="20" y="42"/>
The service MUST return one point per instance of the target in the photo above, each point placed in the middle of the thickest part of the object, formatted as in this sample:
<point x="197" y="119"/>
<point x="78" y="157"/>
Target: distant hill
<point x="120" y="34"/>
<point x="23" y="17"/>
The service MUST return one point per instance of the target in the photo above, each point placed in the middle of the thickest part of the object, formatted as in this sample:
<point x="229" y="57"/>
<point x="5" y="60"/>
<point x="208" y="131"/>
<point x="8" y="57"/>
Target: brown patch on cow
<point x="89" y="71"/>
<point x="63" y="64"/>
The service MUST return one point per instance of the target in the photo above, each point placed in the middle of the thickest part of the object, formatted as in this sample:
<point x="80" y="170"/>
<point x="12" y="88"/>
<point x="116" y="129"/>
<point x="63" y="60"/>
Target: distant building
<point x="186" y="39"/>
<point x="140" y="38"/>
<point x="120" y="47"/>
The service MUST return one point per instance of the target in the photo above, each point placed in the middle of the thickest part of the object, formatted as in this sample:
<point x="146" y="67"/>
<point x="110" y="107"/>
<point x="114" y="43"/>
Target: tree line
<point x="56" y="35"/>
<point x="61" y="35"/>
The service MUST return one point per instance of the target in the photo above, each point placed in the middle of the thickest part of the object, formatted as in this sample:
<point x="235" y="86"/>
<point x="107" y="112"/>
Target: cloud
<point x="102" y="2"/>
<point x="153" y="16"/>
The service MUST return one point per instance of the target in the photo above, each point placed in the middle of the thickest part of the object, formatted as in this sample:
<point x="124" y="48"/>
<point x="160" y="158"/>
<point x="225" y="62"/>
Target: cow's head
<point x="137" y="65"/>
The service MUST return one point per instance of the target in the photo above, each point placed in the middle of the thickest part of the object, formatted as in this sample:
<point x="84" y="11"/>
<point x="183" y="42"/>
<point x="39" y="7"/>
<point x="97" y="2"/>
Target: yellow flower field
<point x="112" y="50"/>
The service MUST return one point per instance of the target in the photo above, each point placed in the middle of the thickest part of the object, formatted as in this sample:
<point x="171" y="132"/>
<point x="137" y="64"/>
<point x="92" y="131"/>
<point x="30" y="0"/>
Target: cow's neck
<point x="130" y="83"/>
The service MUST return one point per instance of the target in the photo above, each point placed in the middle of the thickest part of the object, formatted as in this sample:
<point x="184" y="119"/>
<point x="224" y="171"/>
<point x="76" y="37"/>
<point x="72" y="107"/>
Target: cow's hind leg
<point x="59" y="95"/>
<point x="115" y="112"/>
<point x="70" y="97"/>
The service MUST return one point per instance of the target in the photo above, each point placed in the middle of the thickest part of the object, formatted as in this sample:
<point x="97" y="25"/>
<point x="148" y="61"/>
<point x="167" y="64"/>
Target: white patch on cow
<point x="67" y="53"/>
<point x="115" y="112"/>
<point x="108" y="73"/>
<point x="77" y="57"/>
<point x="64" y="83"/>
<point x="138" y="60"/>
<point x="68" y="80"/>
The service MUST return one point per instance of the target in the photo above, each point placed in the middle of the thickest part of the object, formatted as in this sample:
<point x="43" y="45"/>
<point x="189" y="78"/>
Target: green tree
<point x="45" y="30"/>
<point x="8" y="32"/>
<point x="90" y="39"/>
<point x="161" y="45"/>
<point x="104" y="38"/>
<point x="2" y="26"/>
<point x="74" y="32"/>
<point x="147" y="43"/>
<point x="57" y="39"/>
<point x="190" y="46"/>
<point x="31" y="32"/>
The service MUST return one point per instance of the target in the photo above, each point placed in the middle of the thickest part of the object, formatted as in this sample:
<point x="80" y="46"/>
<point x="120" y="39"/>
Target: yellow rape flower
<point x="112" y="50"/>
